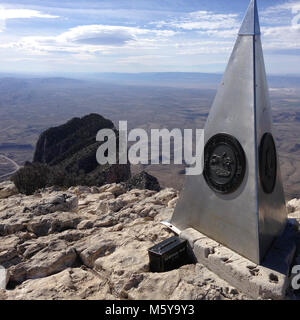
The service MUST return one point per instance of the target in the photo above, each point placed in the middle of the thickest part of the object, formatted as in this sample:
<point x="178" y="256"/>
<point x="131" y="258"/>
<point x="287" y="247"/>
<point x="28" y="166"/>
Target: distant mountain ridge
<point x="189" y="79"/>
<point x="180" y="79"/>
<point x="10" y="146"/>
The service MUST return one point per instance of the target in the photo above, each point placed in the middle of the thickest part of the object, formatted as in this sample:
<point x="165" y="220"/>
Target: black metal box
<point x="169" y="254"/>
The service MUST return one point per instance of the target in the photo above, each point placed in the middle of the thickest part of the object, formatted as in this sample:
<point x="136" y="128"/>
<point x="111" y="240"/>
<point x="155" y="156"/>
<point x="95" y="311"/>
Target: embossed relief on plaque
<point x="224" y="163"/>
<point x="267" y="163"/>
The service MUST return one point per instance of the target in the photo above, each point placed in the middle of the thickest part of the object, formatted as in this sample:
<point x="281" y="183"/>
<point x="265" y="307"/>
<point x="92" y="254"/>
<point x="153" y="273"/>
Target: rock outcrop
<point x="143" y="180"/>
<point x="92" y="242"/>
<point x="59" y="143"/>
<point x="7" y="189"/>
<point x="66" y="156"/>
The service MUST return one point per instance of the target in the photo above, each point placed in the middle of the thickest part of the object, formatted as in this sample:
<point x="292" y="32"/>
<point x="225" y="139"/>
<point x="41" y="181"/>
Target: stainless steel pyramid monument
<point x="238" y="200"/>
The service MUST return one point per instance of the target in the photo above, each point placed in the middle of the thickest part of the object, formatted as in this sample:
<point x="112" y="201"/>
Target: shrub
<point x="31" y="177"/>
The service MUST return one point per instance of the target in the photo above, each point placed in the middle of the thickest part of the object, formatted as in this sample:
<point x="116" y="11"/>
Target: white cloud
<point x="105" y="34"/>
<point x="23" y="14"/>
<point x="202" y="20"/>
<point x="293" y="7"/>
<point x="220" y="34"/>
<point x="6" y="14"/>
<point x="91" y="39"/>
<point x="202" y="36"/>
<point x="204" y="47"/>
<point x="281" y="38"/>
<point x="283" y="30"/>
<point x="144" y="60"/>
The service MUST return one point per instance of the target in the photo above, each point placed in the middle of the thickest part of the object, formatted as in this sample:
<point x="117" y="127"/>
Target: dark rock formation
<point x="143" y="180"/>
<point x="60" y="143"/>
<point x="66" y="156"/>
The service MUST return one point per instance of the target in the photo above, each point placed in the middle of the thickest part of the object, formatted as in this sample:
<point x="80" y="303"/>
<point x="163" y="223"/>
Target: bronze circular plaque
<point x="224" y="163"/>
<point x="267" y="163"/>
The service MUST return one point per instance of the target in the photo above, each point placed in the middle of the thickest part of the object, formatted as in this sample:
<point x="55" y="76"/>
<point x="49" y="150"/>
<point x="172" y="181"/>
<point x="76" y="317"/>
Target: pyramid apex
<point x="250" y="25"/>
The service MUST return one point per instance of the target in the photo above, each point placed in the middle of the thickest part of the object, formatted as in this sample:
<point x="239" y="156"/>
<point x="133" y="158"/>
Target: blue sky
<point x="141" y="35"/>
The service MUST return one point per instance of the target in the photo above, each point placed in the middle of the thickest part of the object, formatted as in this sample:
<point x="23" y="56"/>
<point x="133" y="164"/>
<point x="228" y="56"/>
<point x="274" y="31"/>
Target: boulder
<point x="115" y="189"/>
<point x="142" y="180"/>
<point x="8" y="248"/>
<point x="108" y="206"/>
<point x="7" y="189"/>
<point x="172" y="203"/>
<point x="53" y="222"/>
<point x="166" y="195"/>
<point x="94" y="248"/>
<point x="59" y="202"/>
<point x="53" y="258"/>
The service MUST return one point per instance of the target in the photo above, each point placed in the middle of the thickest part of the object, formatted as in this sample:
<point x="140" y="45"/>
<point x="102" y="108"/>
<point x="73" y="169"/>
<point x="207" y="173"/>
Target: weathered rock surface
<point x="71" y="283"/>
<point x="54" y="257"/>
<point x="91" y="243"/>
<point x="293" y="205"/>
<point x="7" y="189"/>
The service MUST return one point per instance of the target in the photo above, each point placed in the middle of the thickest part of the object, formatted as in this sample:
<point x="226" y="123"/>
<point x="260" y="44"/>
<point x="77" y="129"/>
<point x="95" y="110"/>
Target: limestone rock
<point x="116" y="189"/>
<point x="60" y="202"/>
<point x="55" y="257"/>
<point x="80" y="189"/>
<point x="166" y="195"/>
<point x="95" y="247"/>
<point x="8" y="248"/>
<point x="108" y="206"/>
<point x="7" y="189"/>
<point x="71" y="283"/>
<point x="172" y="203"/>
<point x="53" y="222"/>
<point x="106" y="196"/>
<point x="85" y="224"/>
<point x="293" y="205"/>
<point x="13" y="225"/>
<point x="93" y="244"/>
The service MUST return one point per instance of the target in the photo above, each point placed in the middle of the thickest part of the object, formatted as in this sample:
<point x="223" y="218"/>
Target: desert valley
<point x="30" y="105"/>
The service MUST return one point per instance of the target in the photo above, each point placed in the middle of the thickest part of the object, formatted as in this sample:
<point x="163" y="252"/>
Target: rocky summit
<point x="66" y="156"/>
<point x="92" y="242"/>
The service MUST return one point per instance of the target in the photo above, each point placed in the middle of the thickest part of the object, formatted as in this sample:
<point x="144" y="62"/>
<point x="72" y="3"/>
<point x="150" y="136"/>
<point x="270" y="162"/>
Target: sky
<point x="141" y="35"/>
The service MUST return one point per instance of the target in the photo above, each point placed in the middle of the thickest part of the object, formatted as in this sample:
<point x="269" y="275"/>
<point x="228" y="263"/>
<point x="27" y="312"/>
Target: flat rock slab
<point x="267" y="281"/>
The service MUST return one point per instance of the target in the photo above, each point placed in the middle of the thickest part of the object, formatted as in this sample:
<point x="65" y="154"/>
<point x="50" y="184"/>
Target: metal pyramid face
<point x="250" y="25"/>
<point x="238" y="200"/>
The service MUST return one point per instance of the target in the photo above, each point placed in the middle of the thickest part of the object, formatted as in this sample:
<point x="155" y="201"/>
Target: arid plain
<point x="29" y="106"/>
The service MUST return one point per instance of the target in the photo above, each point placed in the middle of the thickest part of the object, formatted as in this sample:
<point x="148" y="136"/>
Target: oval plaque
<point x="267" y="163"/>
<point x="224" y="163"/>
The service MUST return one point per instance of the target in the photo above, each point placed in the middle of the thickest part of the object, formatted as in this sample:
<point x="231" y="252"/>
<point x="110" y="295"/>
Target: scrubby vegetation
<point x="31" y="177"/>
<point x="34" y="176"/>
